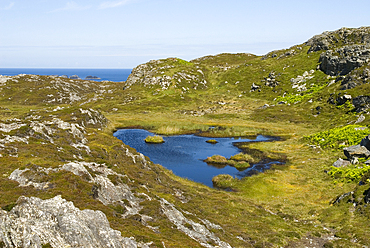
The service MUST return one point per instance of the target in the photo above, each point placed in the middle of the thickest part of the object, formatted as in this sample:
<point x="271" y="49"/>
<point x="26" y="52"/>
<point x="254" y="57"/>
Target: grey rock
<point x="198" y="232"/>
<point x="255" y="87"/>
<point x="344" y="60"/>
<point x="348" y="36"/>
<point x="341" y="163"/>
<point x="360" y="119"/>
<point x="356" y="151"/>
<point x="366" y="142"/>
<point x="361" y="103"/>
<point x="347" y="196"/>
<point x="34" y="222"/>
<point x="343" y="99"/>
<point x="74" y="77"/>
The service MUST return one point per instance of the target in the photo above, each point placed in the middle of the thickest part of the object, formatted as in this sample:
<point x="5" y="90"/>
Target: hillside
<point x="66" y="181"/>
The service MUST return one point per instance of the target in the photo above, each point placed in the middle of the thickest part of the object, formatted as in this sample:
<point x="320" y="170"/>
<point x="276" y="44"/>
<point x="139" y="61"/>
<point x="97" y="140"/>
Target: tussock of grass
<point x="156" y="139"/>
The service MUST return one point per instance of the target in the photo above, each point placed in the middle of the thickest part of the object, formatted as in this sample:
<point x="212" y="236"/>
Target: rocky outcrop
<point x="354" y="152"/>
<point x="34" y="222"/>
<point x="361" y="103"/>
<point x="346" y="36"/>
<point x="343" y="60"/>
<point x="155" y="73"/>
<point x="299" y="83"/>
<point x="356" y="78"/>
<point x="343" y="99"/>
<point x="358" y="151"/>
<point x="270" y="80"/>
<point x="197" y="231"/>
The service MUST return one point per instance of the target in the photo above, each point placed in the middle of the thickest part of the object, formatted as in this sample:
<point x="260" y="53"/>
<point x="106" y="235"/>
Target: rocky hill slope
<point x="66" y="181"/>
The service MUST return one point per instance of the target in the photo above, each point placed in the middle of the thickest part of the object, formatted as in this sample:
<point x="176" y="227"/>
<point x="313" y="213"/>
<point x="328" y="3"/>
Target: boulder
<point x="361" y="103"/>
<point x="366" y="142"/>
<point x="343" y="99"/>
<point x="255" y="87"/>
<point x="343" y="60"/>
<point x="341" y="163"/>
<point x="356" y="151"/>
<point x="34" y="222"/>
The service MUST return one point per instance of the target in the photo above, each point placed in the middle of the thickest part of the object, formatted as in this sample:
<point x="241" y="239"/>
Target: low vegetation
<point x="156" y="139"/>
<point x="228" y="95"/>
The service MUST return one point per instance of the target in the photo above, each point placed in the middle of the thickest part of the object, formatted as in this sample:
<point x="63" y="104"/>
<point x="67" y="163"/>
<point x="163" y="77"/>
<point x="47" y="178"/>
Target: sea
<point x="114" y="75"/>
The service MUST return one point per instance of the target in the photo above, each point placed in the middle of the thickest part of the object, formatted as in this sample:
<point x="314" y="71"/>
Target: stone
<point x="254" y="87"/>
<point x="34" y="222"/>
<point x="366" y="142"/>
<point x="360" y="119"/>
<point x="356" y="151"/>
<point x="341" y="163"/>
<point x="343" y="99"/>
<point x="343" y="60"/>
<point x="361" y="103"/>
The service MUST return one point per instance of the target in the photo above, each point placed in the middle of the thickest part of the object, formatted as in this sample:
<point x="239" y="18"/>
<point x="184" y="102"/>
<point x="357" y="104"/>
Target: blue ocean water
<point x="115" y="75"/>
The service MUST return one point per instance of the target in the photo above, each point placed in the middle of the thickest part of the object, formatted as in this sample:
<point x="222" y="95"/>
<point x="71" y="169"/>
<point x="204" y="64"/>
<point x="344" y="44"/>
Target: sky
<point x="126" y="33"/>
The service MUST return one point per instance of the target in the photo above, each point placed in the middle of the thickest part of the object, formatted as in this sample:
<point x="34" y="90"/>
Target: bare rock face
<point x="344" y="60"/>
<point x="34" y="222"/>
<point x="361" y="103"/>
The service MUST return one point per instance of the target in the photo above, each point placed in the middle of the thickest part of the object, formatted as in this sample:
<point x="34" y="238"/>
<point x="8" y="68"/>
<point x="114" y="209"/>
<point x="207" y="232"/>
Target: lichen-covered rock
<point x="34" y="222"/>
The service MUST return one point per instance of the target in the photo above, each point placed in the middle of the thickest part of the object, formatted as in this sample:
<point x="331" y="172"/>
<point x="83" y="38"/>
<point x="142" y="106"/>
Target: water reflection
<point x="184" y="154"/>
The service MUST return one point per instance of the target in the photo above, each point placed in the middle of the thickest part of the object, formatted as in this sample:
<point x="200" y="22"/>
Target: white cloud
<point x="8" y="7"/>
<point x="71" y="6"/>
<point x="113" y="4"/>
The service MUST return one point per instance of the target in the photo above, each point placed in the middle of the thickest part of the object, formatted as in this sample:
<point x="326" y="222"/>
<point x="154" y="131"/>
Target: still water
<point x="184" y="154"/>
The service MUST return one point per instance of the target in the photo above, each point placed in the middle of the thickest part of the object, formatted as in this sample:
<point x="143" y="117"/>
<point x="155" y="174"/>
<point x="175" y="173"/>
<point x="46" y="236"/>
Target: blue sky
<point x="125" y="33"/>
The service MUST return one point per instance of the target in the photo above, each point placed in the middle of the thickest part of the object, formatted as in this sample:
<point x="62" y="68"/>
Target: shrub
<point x="338" y="137"/>
<point x="349" y="174"/>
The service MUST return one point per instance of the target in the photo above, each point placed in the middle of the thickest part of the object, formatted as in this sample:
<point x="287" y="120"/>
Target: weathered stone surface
<point x="34" y="222"/>
<point x="341" y="163"/>
<point x="343" y="99"/>
<point x="197" y="231"/>
<point x="361" y="103"/>
<point x="356" y="151"/>
<point x="344" y="60"/>
<point x="348" y="36"/>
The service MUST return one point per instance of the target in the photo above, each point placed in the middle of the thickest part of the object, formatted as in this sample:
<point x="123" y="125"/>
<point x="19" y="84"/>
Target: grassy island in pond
<point x="156" y="139"/>
<point x="212" y="141"/>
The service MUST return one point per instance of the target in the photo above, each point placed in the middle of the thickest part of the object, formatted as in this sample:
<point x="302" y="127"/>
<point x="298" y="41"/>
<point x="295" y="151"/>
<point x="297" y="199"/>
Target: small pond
<point x="184" y="154"/>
